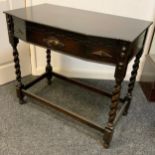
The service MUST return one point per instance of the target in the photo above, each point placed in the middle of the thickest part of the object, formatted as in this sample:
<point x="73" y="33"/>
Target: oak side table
<point x="86" y="35"/>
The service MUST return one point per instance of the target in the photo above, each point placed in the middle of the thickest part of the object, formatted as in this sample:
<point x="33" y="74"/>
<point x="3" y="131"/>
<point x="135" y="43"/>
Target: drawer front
<point x="56" y="39"/>
<point x="103" y="50"/>
<point x="70" y="43"/>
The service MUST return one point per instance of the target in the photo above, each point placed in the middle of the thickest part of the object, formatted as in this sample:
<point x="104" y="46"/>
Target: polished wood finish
<point x="48" y="66"/>
<point x="116" y="40"/>
<point x="133" y="78"/>
<point x="14" y="41"/>
<point x="96" y="42"/>
<point x="83" y="22"/>
<point x="33" y="82"/>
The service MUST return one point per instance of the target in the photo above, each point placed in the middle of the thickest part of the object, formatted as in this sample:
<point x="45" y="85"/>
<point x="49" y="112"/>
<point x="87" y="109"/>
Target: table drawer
<point x="103" y="50"/>
<point x="100" y="49"/>
<point x="56" y="39"/>
<point x="70" y="43"/>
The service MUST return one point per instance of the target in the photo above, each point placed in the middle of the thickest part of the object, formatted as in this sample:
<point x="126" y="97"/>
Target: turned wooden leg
<point x="14" y="41"/>
<point x="109" y="129"/>
<point x="120" y="72"/>
<point x="19" y="84"/>
<point x="48" y="66"/>
<point x="132" y="81"/>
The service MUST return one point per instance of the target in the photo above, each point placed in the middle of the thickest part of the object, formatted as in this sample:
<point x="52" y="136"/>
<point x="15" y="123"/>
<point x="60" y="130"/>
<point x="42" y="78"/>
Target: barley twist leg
<point x="132" y="81"/>
<point x="120" y="72"/>
<point x="14" y="41"/>
<point x="19" y="84"/>
<point x="48" y="66"/>
<point x="112" y="114"/>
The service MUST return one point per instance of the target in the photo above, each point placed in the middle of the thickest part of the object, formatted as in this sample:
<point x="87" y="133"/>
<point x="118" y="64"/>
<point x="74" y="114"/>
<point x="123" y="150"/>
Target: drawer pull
<point x="53" y="42"/>
<point x="102" y="53"/>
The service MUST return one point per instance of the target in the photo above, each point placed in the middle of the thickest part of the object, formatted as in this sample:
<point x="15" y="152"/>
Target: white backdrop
<point x="141" y="9"/>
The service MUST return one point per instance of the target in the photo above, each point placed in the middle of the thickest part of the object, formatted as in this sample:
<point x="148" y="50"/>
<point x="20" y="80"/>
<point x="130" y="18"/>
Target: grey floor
<point x="34" y="129"/>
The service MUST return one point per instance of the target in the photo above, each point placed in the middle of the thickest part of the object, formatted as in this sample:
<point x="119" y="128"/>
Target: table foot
<point x="20" y="95"/>
<point x="128" y="100"/>
<point x="107" y="136"/>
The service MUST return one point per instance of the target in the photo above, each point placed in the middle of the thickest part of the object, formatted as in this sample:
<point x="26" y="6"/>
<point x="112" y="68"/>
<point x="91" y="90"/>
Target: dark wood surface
<point x="86" y="35"/>
<point x="85" y="22"/>
<point x="91" y="48"/>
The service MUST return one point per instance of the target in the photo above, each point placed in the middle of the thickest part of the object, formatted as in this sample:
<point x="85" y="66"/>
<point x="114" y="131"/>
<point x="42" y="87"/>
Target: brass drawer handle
<point x="102" y="53"/>
<point x="53" y="42"/>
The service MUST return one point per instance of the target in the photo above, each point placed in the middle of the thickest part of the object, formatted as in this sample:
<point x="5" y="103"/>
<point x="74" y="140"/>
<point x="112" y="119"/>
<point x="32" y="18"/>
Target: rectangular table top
<point x="84" y="22"/>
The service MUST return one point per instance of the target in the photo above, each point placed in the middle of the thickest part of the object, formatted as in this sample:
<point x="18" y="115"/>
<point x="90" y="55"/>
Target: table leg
<point x="19" y="84"/>
<point x="132" y="81"/>
<point x="112" y="114"/>
<point x="120" y="72"/>
<point x="48" y="66"/>
<point x="14" y="41"/>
